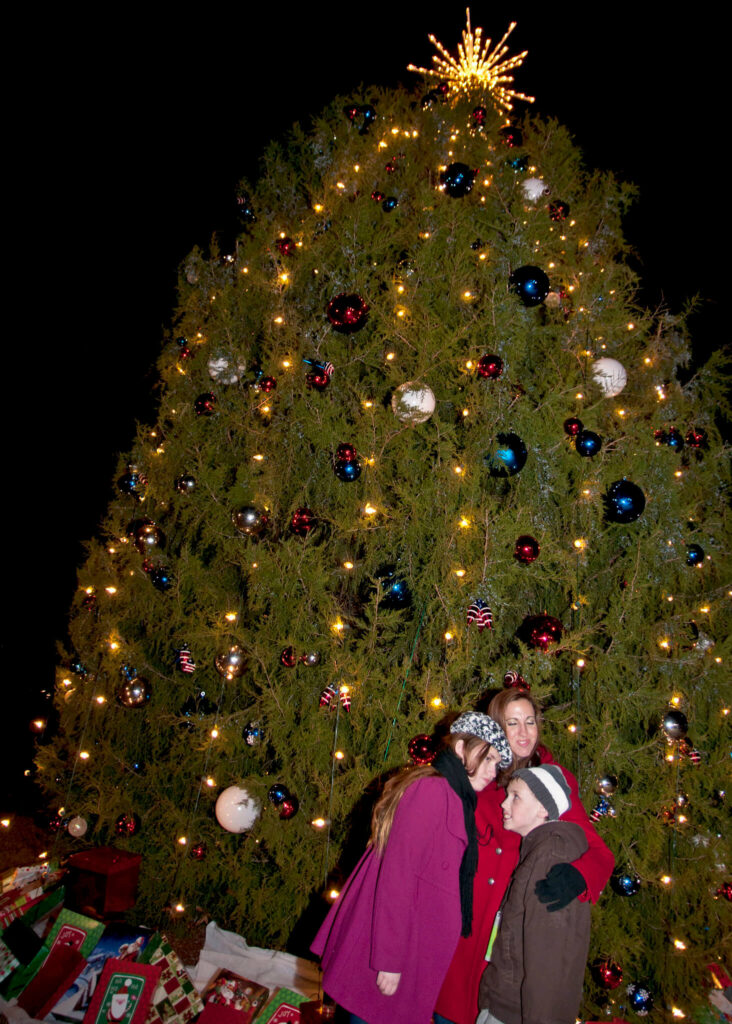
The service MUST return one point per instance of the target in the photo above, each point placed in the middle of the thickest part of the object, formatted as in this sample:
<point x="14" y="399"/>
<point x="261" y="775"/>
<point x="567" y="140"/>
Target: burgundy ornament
<point x="288" y="808"/>
<point x="696" y="438"/>
<point x="351" y="111"/>
<point x="288" y="658"/>
<point x="303" y="521"/>
<point x="378" y="197"/>
<point x="608" y="973"/>
<point x="572" y="426"/>
<point x="318" y="381"/>
<point x="660" y="437"/>
<point x="526" y="549"/>
<point x="346" y="452"/>
<point x="541" y="631"/>
<point x="127" y="825"/>
<point x="725" y="891"/>
<point x="558" y="210"/>
<point x="511" y="136"/>
<point x="442" y="88"/>
<point x="421" y="749"/>
<point x="479" y="116"/>
<point x="198" y="852"/>
<point x="347" y="313"/>
<point x="513" y="680"/>
<point x="328" y="696"/>
<point x="205" y="404"/>
<point x="490" y="367"/>
<point x="266" y="384"/>
<point x="286" y="246"/>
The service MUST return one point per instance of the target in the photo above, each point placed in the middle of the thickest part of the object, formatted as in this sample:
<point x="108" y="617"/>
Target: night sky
<point x="127" y="140"/>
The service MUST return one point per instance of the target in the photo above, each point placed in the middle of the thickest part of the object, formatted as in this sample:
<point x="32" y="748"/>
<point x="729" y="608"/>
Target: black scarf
<point x="449" y="765"/>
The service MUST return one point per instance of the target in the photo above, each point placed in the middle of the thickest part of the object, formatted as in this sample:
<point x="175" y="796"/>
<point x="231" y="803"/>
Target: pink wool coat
<point x="399" y="912"/>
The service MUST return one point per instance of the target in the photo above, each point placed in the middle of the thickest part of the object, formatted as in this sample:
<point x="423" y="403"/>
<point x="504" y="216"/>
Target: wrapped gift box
<point x="103" y="879"/>
<point x="176" y="1000"/>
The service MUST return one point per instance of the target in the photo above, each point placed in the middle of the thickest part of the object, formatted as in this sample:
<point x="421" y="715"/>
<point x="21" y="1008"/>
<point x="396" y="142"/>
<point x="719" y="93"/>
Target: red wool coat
<point x="399" y="912"/>
<point x="498" y="854"/>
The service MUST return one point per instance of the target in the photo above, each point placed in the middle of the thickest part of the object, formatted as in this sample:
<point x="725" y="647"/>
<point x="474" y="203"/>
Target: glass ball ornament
<point x="346" y="452"/>
<point x="133" y="482"/>
<point x="134" y="693"/>
<point x="205" y="404"/>
<point x="490" y="367"/>
<point x="347" y="313"/>
<point x="624" y="883"/>
<point x="572" y="426"/>
<point x="530" y="284"/>
<point x="77" y="827"/>
<point x="266" y="384"/>
<point x="127" y="825"/>
<point x="675" y="440"/>
<point x="694" y="554"/>
<point x="640" y="999"/>
<point x="185" y="484"/>
<point x="518" y="164"/>
<point x="395" y="593"/>
<point x="236" y="811"/>
<point x="310" y="659"/>
<point x="725" y="891"/>
<point x="541" y="631"/>
<point x="303" y="521"/>
<point x="606" y="785"/>
<point x="558" y="210"/>
<point x="587" y="443"/>
<point x="347" y="471"/>
<point x="507" y="456"/>
<point x="288" y="658"/>
<point x="249" y="520"/>
<point x="231" y="663"/>
<point x="413" y="403"/>
<point x="608" y="973"/>
<point x="389" y="204"/>
<point x="198" y="851"/>
<point x="148" y="536"/>
<point x="610" y="376"/>
<point x="288" y="808"/>
<point x="624" y="502"/>
<point x="457" y="180"/>
<point x="377" y="196"/>
<point x="252" y="734"/>
<point x="161" y="578"/>
<point x="479" y="116"/>
<point x="278" y="793"/>
<point x="526" y="549"/>
<point x="286" y="246"/>
<point x="675" y="725"/>
<point x="225" y="369"/>
<point x="421" y="749"/>
<point x="511" y="136"/>
<point x="696" y="438"/>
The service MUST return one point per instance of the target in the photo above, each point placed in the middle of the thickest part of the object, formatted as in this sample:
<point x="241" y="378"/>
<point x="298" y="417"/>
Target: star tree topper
<point x="477" y="68"/>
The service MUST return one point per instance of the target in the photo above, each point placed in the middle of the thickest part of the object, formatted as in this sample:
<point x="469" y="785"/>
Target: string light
<point x="448" y="637"/>
<point x="231" y="616"/>
<point x="464" y="523"/>
<point x="436" y="702"/>
<point x="333" y="894"/>
<point x="5" y="822"/>
<point x="348" y="565"/>
<point x="676" y="1012"/>
<point x="182" y="840"/>
<point x="210" y="781"/>
<point x="459" y="573"/>
<point x="319" y="823"/>
<point x="572" y="728"/>
<point x="84" y="755"/>
<point x="111" y="590"/>
<point x="337" y="626"/>
<point x="369" y="510"/>
<point x="179" y="908"/>
<point x="339" y="755"/>
<point x="100" y="699"/>
<point x="215" y="732"/>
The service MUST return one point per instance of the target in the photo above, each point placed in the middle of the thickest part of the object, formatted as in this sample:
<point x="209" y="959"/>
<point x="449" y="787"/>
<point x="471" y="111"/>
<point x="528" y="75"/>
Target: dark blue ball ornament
<point x="347" y="471"/>
<point x="133" y="482"/>
<point x="530" y="284"/>
<point x="623" y="883"/>
<point x="640" y="999"/>
<point x="675" y="440"/>
<point x="624" y="502"/>
<point x="507" y="456"/>
<point x="588" y="443"/>
<point x="694" y="554"/>
<point x="389" y="204"/>
<point x="519" y="164"/>
<point x="395" y="593"/>
<point x="457" y="180"/>
<point x="161" y="578"/>
<point x="278" y="793"/>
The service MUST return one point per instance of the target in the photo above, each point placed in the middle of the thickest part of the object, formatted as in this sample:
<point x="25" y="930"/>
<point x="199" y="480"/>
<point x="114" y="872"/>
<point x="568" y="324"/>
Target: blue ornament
<point x="507" y="457"/>
<point x="674" y="439"/>
<point x="133" y="482"/>
<point x="128" y="672"/>
<point x="395" y="593"/>
<point x="78" y="668"/>
<point x="694" y="554"/>
<point x="639" y="999"/>
<point x="624" y="502"/>
<point x="530" y="284"/>
<point x="347" y="470"/>
<point x="161" y="578"/>
<point x="389" y="204"/>
<point x="252" y="734"/>
<point x="278" y="793"/>
<point x="588" y="443"/>
<point x="624" y="884"/>
<point x="519" y="164"/>
<point x="368" y="113"/>
<point x="457" y="180"/>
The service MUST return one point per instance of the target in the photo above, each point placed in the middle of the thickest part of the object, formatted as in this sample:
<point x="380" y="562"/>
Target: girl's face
<point x="481" y="767"/>
<point x="521" y="729"/>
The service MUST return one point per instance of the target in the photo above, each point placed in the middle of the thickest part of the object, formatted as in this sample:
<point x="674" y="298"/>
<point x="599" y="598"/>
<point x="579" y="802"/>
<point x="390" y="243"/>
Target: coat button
<point x="499" y="850"/>
<point x="491" y="881"/>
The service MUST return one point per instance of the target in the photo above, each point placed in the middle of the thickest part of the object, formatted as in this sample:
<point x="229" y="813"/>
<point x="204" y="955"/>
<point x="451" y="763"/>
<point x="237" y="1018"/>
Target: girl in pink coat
<point x="389" y="938"/>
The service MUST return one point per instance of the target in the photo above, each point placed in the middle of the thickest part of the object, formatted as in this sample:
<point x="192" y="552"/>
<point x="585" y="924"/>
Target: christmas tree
<point x="415" y="436"/>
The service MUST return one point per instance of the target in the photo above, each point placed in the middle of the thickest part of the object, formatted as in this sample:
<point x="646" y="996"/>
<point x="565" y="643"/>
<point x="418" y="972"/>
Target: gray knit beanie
<point x="549" y="786"/>
<point x="476" y="724"/>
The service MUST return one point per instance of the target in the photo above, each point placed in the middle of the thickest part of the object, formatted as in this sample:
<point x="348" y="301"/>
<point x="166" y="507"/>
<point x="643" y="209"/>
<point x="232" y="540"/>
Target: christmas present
<point x="8" y="961"/>
<point x="176" y="1000"/>
<point x="103" y="880"/>
<point x="60" y="967"/>
<point x="52" y="900"/>
<point x="124" y="993"/>
<point x="283" y="1008"/>
<point x="17" y="901"/>
<point x="75" y="930"/>
<point x="21" y="940"/>
<point x="240" y="995"/>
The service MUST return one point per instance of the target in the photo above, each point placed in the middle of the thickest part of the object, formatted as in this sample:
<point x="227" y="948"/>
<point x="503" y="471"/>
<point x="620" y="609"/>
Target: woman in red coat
<point x="498" y="852"/>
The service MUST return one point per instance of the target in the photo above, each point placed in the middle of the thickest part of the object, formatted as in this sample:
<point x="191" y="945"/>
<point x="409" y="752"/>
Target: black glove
<point x="563" y="884"/>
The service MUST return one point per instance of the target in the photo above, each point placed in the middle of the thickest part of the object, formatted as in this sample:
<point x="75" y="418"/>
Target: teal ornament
<point x="507" y="456"/>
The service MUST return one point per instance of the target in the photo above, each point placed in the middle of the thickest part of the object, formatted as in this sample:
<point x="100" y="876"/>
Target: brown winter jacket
<point x="538" y="963"/>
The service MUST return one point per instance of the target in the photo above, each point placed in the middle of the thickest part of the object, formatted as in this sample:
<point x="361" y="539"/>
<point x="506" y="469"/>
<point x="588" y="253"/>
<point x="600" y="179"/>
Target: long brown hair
<point x="498" y="710"/>
<point x="383" y="817"/>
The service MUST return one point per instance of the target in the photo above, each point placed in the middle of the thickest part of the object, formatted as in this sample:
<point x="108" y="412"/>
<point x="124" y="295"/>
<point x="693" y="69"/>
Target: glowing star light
<point x="477" y="69"/>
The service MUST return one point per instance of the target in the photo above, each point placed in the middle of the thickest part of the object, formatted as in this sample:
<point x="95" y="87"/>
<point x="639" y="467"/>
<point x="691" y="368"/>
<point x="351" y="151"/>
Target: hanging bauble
<point x="133" y="482"/>
<point x="288" y="658"/>
<point x="266" y="384"/>
<point x="134" y="693"/>
<point x="541" y="631"/>
<point x="660" y="437"/>
<point x="588" y="443"/>
<point x="310" y="659"/>
<point x="608" y="973"/>
<point x="236" y="810"/>
<point x="640" y="999"/>
<point x="344" y="696"/>
<point x="378" y="197"/>
<point x="225" y="369"/>
<point x="696" y="438"/>
<point x="58" y="822"/>
<point x="421" y="749"/>
<point x="328" y="696"/>
<point x="610" y="376"/>
<point x="511" y="136"/>
<point x="161" y="578"/>
<point x="457" y="180"/>
<point x="413" y="403"/>
<point x="694" y="554"/>
<point x="526" y="549"/>
<point x="346" y="465"/>
<point x="244" y="209"/>
<point x="184" y="660"/>
<point x="479" y="116"/>
<point x="518" y="164"/>
<point x="89" y="601"/>
<point x="198" y="851"/>
<point x="675" y="440"/>
<point x="347" y="313"/>
<point x="534" y="189"/>
<point x="602" y="807"/>
<point x="351" y="110"/>
<point x="185" y="484"/>
<point x="624" y="883"/>
<point x="389" y="204"/>
<point x="513" y="680"/>
<point x="77" y="827"/>
<point x="231" y="663"/>
<point x="490" y="367"/>
<point x="558" y="210"/>
<point x="285" y="246"/>
<point x="530" y="284"/>
<point x="319" y="377"/>
<point x="395" y="593"/>
<point x="249" y="520"/>
<point x="725" y="891"/>
<point x="127" y="825"/>
<point x="303" y="521"/>
<point x="686" y="749"/>
<point x="507" y="455"/>
<point x="346" y="452"/>
<point x="480" y="614"/>
<point x="624" y="502"/>
<point x="252" y="734"/>
<point x="184" y="351"/>
<point x="288" y="808"/>
<point x="606" y="785"/>
<point x="368" y="113"/>
<point x="675" y="725"/>
<point x="572" y="426"/>
<point x="205" y="404"/>
<point x="148" y="536"/>
<point x="278" y="793"/>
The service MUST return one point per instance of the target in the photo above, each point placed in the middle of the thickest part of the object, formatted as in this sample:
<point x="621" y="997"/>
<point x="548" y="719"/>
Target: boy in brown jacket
<point x="537" y="961"/>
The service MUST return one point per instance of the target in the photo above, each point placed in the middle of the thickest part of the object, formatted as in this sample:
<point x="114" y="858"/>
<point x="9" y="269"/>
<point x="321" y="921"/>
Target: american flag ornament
<point x="602" y="808"/>
<point x="184" y="660"/>
<point x="480" y="614"/>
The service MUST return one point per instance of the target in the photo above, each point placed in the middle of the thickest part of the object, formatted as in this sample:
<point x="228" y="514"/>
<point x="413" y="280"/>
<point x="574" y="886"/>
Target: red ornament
<point x="346" y="453"/>
<point x="490" y="367"/>
<point x="198" y="852"/>
<point x="526" y="549"/>
<point x="378" y="197"/>
<point x="288" y="808"/>
<point x="288" y="658"/>
<point x="344" y="696"/>
<point x="479" y="116"/>
<point x="725" y="891"/>
<point x="327" y="696"/>
<point x="686" y="750"/>
<point x="443" y="88"/>
<point x="696" y="438"/>
<point x="303" y="521"/>
<point x="608" y="973"/>
<point x="351" y="111"/>
<point x="572" y="426"/>
<point x="558" y="210"/>
<point x="127" y="825"/>
<point x="285" y="246"/>
<point x="205" y="404"/>
<point x="347" y="313"/>
<point x="513" y="680"/>
<point x="421" y="749"/>
<point x="541" y="631"/>
<point x="319" y="381"/>
<point x="266" y="384"/>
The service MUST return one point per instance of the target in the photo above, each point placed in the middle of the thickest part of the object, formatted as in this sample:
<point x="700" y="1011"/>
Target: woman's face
<point x="483" y="769"/>
<point x="521" y="729"/>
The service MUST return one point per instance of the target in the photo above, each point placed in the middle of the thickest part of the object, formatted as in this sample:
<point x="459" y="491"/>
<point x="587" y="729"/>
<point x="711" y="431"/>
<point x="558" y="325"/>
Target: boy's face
<point x="522" y="812"/>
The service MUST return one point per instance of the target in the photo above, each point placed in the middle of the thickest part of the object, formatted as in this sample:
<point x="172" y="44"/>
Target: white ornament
<point x="236" y="810"/>
<point x="77" y="827"/>
<point x="534" y="189"/>
<point x="610" y="375"/>
<point x="225" y="370"/>
<point x="413" y="403"/>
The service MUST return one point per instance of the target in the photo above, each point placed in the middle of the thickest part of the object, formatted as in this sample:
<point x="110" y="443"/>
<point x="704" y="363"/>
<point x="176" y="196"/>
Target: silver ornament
<point x="675" y="725"/>
<point x="231" y="663"/>
<point x="607" y="784"/>
<point x="310" y="659"/>
<point x="413" y="403"/>
<point x="249" y="520"/>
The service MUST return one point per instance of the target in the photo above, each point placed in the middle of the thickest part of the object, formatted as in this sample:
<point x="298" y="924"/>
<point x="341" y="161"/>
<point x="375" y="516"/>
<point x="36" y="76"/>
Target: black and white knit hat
<point x="549" y="786"/>
<point x="483" y="726"/>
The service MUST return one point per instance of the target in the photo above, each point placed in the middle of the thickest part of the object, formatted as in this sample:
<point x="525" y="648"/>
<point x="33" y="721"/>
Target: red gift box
<point x="103" y="879"/>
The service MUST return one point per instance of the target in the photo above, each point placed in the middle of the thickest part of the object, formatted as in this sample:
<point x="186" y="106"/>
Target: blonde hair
<point x="498" y="710"/>
<point x="385" y="809"/>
